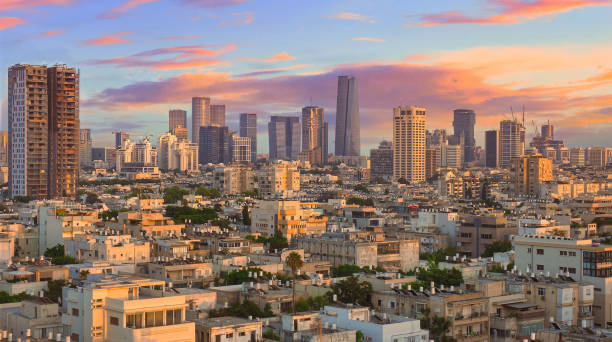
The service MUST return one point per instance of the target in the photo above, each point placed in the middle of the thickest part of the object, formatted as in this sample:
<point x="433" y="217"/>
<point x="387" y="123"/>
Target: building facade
<point x="530" y="172"/>
<point x="464" y="121"/>
<point x="177" y="118"/>
<point x="215" y="145"/>
<point x="200" y="116"/>
<point x="409" y="144"/>
<point x="511" y="141"/>
<point x="285" y="137"/>
<point x="217" y="115"/>
<point x="492" y="149"/>
<point x="248" y="129"/>
<point x="348" y="138"/>
<point x="381" y="161"/>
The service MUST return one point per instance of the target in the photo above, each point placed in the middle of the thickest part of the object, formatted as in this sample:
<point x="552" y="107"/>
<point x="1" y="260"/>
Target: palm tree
<point x="294" y="261"/>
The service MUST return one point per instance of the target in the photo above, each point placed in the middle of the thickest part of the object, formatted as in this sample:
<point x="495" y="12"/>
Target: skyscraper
<point x="548" y="132"/>
<point x="176" y="118"/>
<point x="284" y="136"/>
<point x="314" y="134"/>
<point x="381" y="161"/>
<point x="464" y="121"/>
<point x="511" y="141"/>
<point x="4" y="147"/>
<point x="214" y="145"/>
<point x="120" y="138"/>
<point x="44" y="139"/>
<point x="492" y="149"/>
<point x="348" y="139"/>
<point x="85" y="146"/>
<point x="241" y="149"/>
<point x="200" y="116"/>
<point x="217" y="115"/>
<point x="248" y="129"/>
<point x="409" y="143"/>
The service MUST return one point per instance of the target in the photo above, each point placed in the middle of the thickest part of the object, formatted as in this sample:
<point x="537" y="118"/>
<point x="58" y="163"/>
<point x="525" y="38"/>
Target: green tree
<point x="55" y="289"/>
<point x="270" y="335"/>
<point x="360" y="201"/>
<point x="294" y="261"/>
<point x="358" y="336"/>
<point x="278" y="241"/>
<point x="236" y="277"/>
<point x="6" y="298"/>
<point x="208" y="192"/>
<point x="197" y="216"/>
<point x="55" y="251"/>
<point x="174" y="194"/>
<point x="433" y="272"/>
<point x="351" y="290"/>
<point x="496" y="247"/>
<point x="438" y="327"/>
<point x="440" y="254"/>
<point x="91" y="198"/>
<point x="345" y="270"/>
<point x="244" y="310"/>
<point x="246" y="219"/>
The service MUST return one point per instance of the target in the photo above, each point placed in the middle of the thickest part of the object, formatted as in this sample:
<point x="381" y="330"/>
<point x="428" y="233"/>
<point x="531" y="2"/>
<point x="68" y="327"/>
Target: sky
<point x="140" y="58"/>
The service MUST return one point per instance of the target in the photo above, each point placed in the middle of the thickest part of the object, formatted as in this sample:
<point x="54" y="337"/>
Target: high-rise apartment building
<point x="181" y="133"/>
<point x="431" y="162"/>
<point x="241" y="149"/>
<point x="200" y="116"/>
<point x="248" y="129"/>
<point x="464" y="121"/>
<point x="85" y="147"/>
<point x="215" y="145"/>
<point x="597" y="156"/>
<point x="120" y="138"/>
<point x="314" y="135"/>
<point x="492" y="149"/>
<point x="176" y="154"/>
<point x="577" y="157"/>
<point x="4" y="147"/>
<point x="511" y="141"/>
<point x="217" y="115"/>
<point x="176" y="118"/>
<point x="284" y="136"/>
<point x="44" y="131"/>
<point x="381" y="161"/>
<point x="348" y="140"/>
<point x="450" y="156"/>
<point x="136" y="154"/>
<point x="409" y="143"/>
<point x="529" y="172"/>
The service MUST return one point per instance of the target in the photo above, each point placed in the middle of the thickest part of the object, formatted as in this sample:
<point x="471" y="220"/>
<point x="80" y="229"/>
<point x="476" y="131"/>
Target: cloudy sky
<point x="139" y="58"/>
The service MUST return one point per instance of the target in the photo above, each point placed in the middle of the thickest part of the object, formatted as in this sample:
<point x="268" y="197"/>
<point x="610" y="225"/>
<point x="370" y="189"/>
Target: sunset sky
<point x="139" y="58"/>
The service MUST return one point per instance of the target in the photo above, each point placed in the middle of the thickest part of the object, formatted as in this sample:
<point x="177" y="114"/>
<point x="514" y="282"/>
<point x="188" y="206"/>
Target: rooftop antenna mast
<point x="523" y="115"/>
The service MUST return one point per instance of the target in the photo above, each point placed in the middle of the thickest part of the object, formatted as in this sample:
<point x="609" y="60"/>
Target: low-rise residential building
<point x="308" y="327"/>
<point x="138" y="224"/>
<point x="277" y="179"/>
<point x="234" y="180"/>
<point x="36" y="317"/>
<point x="291" y="218"/>
<point x="184" y="272"/>
<point x="227" y="329"/>
<point x="478" y="231"/>
<point x="110" y="247"/>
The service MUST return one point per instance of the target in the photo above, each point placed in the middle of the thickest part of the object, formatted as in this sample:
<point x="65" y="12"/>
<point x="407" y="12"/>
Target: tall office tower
<point x="548" y="132"/>
<point x="248" y="129"/>
<point x="511" y="141"/>
<point x="435" y="138"/>
<point x="314" y="134"/>
<point x="381" y="161"/>
<point x="181" y="133"/>
<point x="120" y="138"/>
<point x="44" y="144"/>
<point x="214" y="145"/>
<point x="529" y="172"/>
<point x="241" y="149"/>
<point x="576" y="157"/>
<point x="464" y="121"/>
<point x="217" y="115"/>
<point x="284" y="136"/>
<point x="431" y="162"/>
<point x="4" y="145"/>
<point x="492" y="149"/>
<point x="409" y="143"/>
<point x="85" y="147"/>
<point x="176" y="118"/>
<point x="348" y="141"/>
<point x="200" y="116"/>
<point x="64" y="131"/>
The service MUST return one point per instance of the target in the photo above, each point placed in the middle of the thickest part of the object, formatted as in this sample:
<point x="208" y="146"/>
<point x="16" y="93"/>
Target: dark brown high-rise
<point x="44" y="131"/>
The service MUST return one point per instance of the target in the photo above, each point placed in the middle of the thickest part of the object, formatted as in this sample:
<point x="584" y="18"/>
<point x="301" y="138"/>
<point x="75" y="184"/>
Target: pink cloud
<point x="180" y="57"/>
<point x="109" y="39"/>
<point x="52" y="33"/>
<point x="213" y="3"/>
<point x="510" y="12"/>
<point x="9" y="22"/>
<point x="115" y="12"/>
<point x="24" y="4"/>
<point x="352" y="16"/>
<point x="368" y="39"/>
<point x="240" y="18"/>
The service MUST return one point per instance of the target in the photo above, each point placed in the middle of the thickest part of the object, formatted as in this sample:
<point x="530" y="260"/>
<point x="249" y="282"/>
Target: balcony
<point x="169" y="333"/>
<point x="471" y="318"/>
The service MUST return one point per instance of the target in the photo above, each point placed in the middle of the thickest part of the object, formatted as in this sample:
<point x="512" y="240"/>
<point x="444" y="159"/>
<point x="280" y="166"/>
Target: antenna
<point x="512" y="111"/>
<point x="523" y="115"/>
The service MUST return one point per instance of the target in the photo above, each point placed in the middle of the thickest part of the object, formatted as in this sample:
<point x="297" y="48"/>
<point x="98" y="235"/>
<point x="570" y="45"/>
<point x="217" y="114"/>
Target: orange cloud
<point x="8" y="22"/>
<point x="352" y="16"/>
<point x="109" y="39"/>
<point x="283" y="56"/>
<point x="115" y="12"/>
<point x="510" y="12"/>
<point x="6" y="5"/>
<point x="240" y="18"/>
<point x="368" y="39"/>
<point x="184" y="57"/>
<point x="270" y="71"/>
<point x="52" y="33"/>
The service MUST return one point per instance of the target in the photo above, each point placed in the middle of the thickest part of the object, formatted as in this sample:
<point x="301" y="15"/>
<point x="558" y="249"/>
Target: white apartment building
<point x="176" y="154"/>
<point x="125" y="309"/>
<point x="59" y="222"/>
<point x="580" y="260"/>
<point x="376" y="327"/>
<point x="447" y="222"/>
<point x="141" y="153"/>
<point x="111" y="248"/>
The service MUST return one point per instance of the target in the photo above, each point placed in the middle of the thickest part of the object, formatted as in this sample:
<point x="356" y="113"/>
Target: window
<point x="75" y="312"/>
<point x="242" y="333"/>
<point x="114" y="320"/>
<point x="230" y="335"/>
<point x="541" y="291"/>
<point x="486" y="236"/>
<point x="571" y="253"/>
<point x="563" y="253"/>
<point x="173" y="316"/>
<point x="529" y="250"/>
<point x="154" y="319"/>
<point x="540" y="267"/>
<point x="572" y="270"/>
<point x="218" y="338"/>
<point x="540" y="251"/>
<point x="134" y="321"/>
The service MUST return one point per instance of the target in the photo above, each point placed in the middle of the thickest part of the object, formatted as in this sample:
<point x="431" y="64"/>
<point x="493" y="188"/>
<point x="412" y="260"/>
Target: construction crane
<point x="536" y="133"/>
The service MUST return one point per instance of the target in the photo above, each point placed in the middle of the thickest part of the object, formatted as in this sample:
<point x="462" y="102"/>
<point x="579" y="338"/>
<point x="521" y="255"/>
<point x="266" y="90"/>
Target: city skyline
<point x="132" y="76"/>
